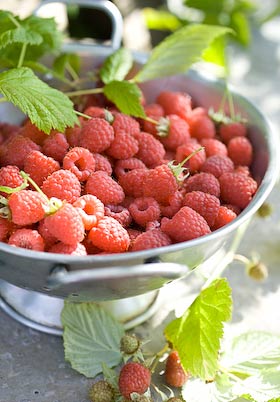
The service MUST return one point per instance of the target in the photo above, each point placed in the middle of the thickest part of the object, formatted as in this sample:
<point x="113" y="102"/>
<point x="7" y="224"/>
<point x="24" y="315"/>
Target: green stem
<point x="22" y="55"/>
<point x="86" y="116"/>
<point x="12" y="18"/>
<point x="153" y="121"/>
<point x="158" y="356"/>
<point x="230" y="104"/>
<point x="31" y="181"/>
<point x="84" y="92"/>
<point x="72" y="72"/>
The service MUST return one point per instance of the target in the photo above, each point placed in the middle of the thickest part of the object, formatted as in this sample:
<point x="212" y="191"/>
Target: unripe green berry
<point x="129" y="344"/>
<point x="101" y="391"/>
<point x="174" y="399"/>
<point x="265" y="210"/>
<point x="257" y="271"/>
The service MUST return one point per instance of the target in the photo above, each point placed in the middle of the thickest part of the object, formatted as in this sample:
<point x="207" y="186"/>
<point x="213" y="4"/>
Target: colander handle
<point x="107" y="6"/>
<point x="168" y="271"/>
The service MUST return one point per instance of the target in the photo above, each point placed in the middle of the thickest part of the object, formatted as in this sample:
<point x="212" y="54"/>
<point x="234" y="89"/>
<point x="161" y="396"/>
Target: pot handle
<point x="168" y="271"/>
<point x="107" y="6"/>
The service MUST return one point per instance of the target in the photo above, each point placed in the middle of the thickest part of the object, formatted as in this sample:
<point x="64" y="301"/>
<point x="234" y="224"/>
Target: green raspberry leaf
<point x="126" y="96"/>
<point x="66" y="62"/>
<point x="176" y="53"/>
<point x="91" y="338"/>
<point x="197" y="334"/>
<point x="19" y="35"/>
<point x="116" y="66"/>
<point x="46" y="107"/>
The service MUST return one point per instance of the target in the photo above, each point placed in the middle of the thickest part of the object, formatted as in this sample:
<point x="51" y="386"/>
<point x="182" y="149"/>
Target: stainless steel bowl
<point x="117" y="276"/>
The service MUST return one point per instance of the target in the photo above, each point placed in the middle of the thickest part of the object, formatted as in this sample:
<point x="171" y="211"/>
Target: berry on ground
<point x="134" y="377"/>
<point x="175" y="375"/>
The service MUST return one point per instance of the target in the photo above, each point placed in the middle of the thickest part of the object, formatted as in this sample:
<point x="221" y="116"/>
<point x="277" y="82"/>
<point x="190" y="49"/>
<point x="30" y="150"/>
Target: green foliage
<point x="116" y="66"/>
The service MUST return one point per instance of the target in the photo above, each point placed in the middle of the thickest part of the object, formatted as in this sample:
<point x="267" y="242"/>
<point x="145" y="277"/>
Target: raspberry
<point x="5" y="228"/>
<point x="74" y="249"/>
<point x="80" y="162"/>
<point x="160" y="183"/>
<point x="234" y="208"/>
<point x="175" y="134"/>
<point x="175" y="103"/>
<point x="243" y="169"/>
<point x="96" y="135"/>
<point x="153" y="225"/>
<point x="56" y="146"/>
<point x="31" y="131"/>
<point x="201" y="126"/>
<point x="109" y="235"/>
<point x="62" y="184"/>
<point x="217" y="165"/>
<point x="134" y="377"/>
<point x="102" y="163"/>
<point x="213" y="146"/>
<point x="27" y="238"/>
<point x="228" y="131"/>
<point x="122" y="122"/>
<point x="196" y="161"/>
<point x="205" y="182"/>
<point x="132" y="182"/>
<point x="185" y="225"/>
<point x="66" y="224"/>
<point x="124" y="166"/>
<point x="240" y="150"/>
<point x="90" y="208"/>
<point x="73" y="135"/>
<point x="101" y="391"/>
<point x="10" y="177"/>
<point x="40" y="166"/>
<point x="151" y="152"/>
<point x="174" y="204"/>
<point x="207" y="205"/>
<point x="129" y="344"/>
<point x="133" y="233"/>
<point x="144" y="210"/>
<point x="105" y="188"/>
<point x="17" y="150"/>
<point x="95" y="111"/>
<point x="225" y="215"/>
<point x="120" y="213"/>
<point x="49" y="239"/>
<point x="123" y="146"/>
<point x="27" y="207"/>
<point x="153" y="111"/>
<point x="175" y="375"/>
<point x="150" y="239"/>
<point x="237" y="189"/>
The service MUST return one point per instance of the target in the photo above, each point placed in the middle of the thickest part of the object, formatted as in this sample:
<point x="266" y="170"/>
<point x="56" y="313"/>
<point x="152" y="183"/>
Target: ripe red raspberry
<point x="151" y="152"/>
<point x="153" y="225"/>
<point x="175" y="375"/>
<point x="124" y="166"/>
<point x="175" y="103"/>
<point x="95" y="111"/>
<point x="120" y="213"/>
<point x="31" y="131"/>
<point x="73" y="135"/>
<point x="225" y="216"/>
<point x="72" y="249"/>
<point x="213" y="146"/>
<point x="240" y="150"/>
<point x="134" y="377"/>
<point x="109" y="235"/>
<point x="174" y="204"/>
<point x="205" y="182"/>
<point x="228" y="131"/>
<point x="123" y="122"/>
<point x="201" y="126"/>
<point x="27" y="207"/>
<point x="207" y="205"/>
<point x="27" y="238"/>
<point x="153" y="111"/>
<point x="132" y="182"/>
<point x="6" y="227"/>
<point x="243" y="169"/>
<point x="133" y="233"/>
<point x="90" y="208"/>
<point x="175" y="133"/>
<point x="40" y="166"/>
<point x="160" y="183"/>
<point x="144" y="210"/>
<point x="10" y="177"/>
<point x="234" y="208"/>
<point x="237" y="189"/>
<point x="196" y="161"/>
<point x="56" y="146"/>
<point x="49" y="239"/>
<point x="17" y="150"/>
<point x="102" y="163"/>
<point x="80" y="162"/>
<point x="62" y="184"/>
<point x="96" y="135"/>
<point x="150" y="239"/>
<point x="217" y="165"/>
<point x="105" y="188"/>
<point x="185" y="225"/>
<point x="66" y="224"/>
<point x="123" y="146"/>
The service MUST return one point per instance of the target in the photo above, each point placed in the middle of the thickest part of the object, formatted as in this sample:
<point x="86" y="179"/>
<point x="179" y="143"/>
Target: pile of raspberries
<point x="118" y="184"/>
